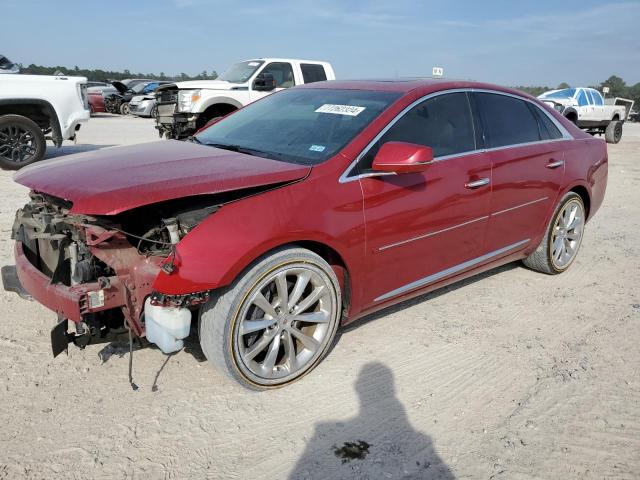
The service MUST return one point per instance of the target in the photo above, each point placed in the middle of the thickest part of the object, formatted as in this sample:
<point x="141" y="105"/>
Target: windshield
<point x="565" y="93"/>
<point x="305" y="126"/>
<point x="241" y="72"/>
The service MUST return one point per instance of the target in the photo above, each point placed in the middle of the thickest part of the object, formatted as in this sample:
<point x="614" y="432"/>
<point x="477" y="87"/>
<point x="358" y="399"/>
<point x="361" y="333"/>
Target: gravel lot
<point x="512" y="374"/>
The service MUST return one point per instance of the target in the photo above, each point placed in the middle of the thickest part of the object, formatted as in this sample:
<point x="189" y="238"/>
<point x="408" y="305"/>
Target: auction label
<point x="350" y="110"/>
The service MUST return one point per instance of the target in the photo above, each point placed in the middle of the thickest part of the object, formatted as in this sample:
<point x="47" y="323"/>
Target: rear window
<point x="507" y="120"/>
<point x="313" y="73"/>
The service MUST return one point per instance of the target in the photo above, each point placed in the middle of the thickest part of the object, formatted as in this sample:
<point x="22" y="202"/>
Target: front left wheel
<point x="276" y="322"/>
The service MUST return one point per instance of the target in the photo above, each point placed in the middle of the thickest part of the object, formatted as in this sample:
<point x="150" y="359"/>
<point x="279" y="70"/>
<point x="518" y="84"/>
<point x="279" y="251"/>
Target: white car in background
<point x="587" y="108"/>
<point x="34" y="108"/>
<point x="185" y="107"/>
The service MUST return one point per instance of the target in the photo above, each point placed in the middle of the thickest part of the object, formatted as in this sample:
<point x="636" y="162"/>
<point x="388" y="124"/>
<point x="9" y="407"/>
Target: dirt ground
<point x="510" y="375"/>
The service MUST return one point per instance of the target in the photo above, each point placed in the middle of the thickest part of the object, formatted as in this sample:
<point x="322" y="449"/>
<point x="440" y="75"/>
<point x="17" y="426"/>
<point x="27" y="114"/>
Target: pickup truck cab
<point x="185" y="107"/>
<point x="586" y="108"/>
<point x="36" y="108"/>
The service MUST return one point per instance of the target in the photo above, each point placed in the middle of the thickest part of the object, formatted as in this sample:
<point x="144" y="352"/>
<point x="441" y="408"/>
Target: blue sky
<point x="507" y="42"/>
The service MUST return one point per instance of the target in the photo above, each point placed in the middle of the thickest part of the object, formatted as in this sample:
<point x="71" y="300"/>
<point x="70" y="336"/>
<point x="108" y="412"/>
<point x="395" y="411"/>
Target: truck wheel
<point x="124" y="108"/>
<point x="275" y="322"/>
<point x="613" y="133"/>
<point x="21" y="142"/>
<point x="562" y="239"/>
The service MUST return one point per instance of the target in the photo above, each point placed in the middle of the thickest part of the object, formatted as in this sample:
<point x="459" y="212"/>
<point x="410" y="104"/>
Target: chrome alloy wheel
<point x="566" y="234"/>
<point x="285" y="323"/>
<point x="17" y="144"/>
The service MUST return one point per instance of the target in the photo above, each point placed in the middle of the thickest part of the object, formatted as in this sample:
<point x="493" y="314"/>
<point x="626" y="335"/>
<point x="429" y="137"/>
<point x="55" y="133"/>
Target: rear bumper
<point x="69" y="130"/>
<point x="68" y="302"/>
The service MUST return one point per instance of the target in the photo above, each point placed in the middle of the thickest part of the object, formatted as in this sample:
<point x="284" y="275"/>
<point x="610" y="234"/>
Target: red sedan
<point x="96" y="102"/>
<point x="301" y="213"/>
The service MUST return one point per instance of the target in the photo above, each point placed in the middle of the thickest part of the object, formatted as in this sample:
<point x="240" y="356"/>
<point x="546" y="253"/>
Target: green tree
<point x="563" y="85"/>
<point x="617" y="86"/>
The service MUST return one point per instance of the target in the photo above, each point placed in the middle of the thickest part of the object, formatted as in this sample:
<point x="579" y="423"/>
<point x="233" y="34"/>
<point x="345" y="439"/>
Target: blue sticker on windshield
<point x="317" y="148"/>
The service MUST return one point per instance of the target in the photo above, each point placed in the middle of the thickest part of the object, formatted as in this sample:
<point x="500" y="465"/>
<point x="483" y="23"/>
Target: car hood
<point x="558" y="101"/>
<point x="141" y="98"/>
<point x="120" y="87"/>
<point x="113" y="180"/>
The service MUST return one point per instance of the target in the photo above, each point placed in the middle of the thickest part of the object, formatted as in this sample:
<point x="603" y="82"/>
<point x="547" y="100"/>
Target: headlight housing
<point x="186" y="99"/>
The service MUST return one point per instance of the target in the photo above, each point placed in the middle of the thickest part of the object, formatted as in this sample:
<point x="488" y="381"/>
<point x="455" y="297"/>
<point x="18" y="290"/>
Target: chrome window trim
<point x="449" y="271"/>
<point x="344" y="178"/>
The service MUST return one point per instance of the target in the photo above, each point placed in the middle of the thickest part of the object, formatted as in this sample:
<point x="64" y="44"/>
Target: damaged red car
<point x="300" y="213"/>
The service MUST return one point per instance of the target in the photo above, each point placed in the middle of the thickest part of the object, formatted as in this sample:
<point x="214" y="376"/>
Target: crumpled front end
<point x="79" y="266"/>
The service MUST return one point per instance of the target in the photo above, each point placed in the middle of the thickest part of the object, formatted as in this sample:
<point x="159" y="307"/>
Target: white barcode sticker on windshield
<point x="350" y="110"/>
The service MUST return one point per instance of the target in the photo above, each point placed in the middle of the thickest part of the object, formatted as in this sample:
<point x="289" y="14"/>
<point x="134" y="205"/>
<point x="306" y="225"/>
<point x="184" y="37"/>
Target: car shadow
<point x="379" y="442"/>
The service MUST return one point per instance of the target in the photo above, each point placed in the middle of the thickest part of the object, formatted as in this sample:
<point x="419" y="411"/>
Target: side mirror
<point x="264" y="82"/>
<point x="401" y="157"/>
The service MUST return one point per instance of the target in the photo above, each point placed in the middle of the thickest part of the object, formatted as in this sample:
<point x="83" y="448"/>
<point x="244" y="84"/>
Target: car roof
<point x="422" y="86"/>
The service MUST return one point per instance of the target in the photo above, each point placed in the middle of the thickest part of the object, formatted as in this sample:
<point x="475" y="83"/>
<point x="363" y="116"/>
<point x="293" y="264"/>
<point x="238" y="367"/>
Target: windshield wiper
<point x="245" y="150"/>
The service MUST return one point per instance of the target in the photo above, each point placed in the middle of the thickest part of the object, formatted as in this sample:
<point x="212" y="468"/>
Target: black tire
<point x="125" y="109"/>
<point x="541" y="260"/>
<point x="613" y="133"/>
<point x="154" y="112"/>
<point x="22" y="142"/>
<point x="222" y="317"/>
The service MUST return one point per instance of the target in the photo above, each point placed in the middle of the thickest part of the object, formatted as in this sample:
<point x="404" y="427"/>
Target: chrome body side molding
<point x="450" y="271"/>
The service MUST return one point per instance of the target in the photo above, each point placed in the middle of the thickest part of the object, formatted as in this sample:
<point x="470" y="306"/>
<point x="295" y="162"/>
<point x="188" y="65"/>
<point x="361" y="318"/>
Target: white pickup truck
<point x="34" y="108"/>
<point x="588" y="110"/>
<point x="186" y="107"/>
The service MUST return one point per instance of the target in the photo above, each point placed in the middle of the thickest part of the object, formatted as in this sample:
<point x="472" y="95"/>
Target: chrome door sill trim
<point x="520" y="206"/>
<point x="430" y="234"/>
<point x="449" y="271"/>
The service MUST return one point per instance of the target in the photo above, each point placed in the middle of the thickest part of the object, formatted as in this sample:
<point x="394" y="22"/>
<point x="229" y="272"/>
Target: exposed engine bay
<point x="55" y="241"/>
<point x="102" y="266"/>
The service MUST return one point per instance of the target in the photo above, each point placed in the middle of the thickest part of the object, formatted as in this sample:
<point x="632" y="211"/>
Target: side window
<point x="507" y="120"/>
<point x="313" y="73"/>
<point x="590" y="97"/>
<point x="282" y="73"/>
<point x="442" y="123"/>
<point x="582" y="99"/>
<point x="597" y="98"/>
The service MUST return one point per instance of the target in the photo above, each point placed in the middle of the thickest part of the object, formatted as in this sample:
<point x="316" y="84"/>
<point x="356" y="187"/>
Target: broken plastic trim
<point x="186" y="301"/>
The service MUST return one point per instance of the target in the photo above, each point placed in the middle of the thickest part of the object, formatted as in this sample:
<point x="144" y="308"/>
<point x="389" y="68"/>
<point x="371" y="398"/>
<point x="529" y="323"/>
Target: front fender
<point x="206" y="102"/>
<point x="223" y="245"/>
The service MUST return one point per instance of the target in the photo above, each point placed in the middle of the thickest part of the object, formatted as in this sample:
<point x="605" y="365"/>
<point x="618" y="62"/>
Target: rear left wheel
<point x="22" y="142"/>
<point x="562" y="240"/>
<point x="276" y="322"/>
<point x="613" y="132"/>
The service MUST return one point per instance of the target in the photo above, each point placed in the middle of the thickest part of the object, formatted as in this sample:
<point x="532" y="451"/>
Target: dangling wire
<point x="133" y="385"/>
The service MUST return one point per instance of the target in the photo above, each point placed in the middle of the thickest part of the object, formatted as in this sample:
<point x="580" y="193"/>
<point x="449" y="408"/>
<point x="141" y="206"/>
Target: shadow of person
<point x="379" y="443"/>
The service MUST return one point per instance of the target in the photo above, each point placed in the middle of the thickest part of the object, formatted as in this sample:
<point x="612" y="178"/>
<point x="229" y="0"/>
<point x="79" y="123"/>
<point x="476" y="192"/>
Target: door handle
<point x="477" y="183"/>
<point x="553" y="164"/>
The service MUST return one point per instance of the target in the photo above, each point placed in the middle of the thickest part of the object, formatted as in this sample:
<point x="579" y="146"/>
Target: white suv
<point x="185" y="107"/>
<point x="34" y="108"/>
